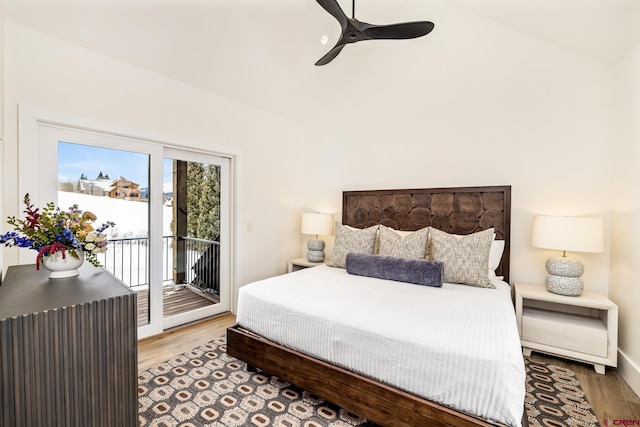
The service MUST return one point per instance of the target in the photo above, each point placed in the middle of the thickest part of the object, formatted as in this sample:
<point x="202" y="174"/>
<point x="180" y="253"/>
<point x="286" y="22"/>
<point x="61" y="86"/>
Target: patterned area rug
<point x="206" y="387"/>
<point x="554" y="397"/>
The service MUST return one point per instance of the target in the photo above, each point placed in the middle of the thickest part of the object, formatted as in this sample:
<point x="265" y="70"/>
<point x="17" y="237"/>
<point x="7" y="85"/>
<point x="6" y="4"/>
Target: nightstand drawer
<point x="569" y="331"/>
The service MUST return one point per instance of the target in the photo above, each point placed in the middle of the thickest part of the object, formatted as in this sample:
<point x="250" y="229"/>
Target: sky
<point x="77" y="159"/>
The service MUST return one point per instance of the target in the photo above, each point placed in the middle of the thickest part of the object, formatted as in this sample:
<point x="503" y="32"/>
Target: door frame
<point x="30" y="181"/>
<point x="225" y="181"/>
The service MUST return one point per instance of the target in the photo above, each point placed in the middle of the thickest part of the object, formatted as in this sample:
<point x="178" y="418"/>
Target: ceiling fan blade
<point x="406" y="30"/>
<point x="335" y="10"/>
<point x="329" y="56"/>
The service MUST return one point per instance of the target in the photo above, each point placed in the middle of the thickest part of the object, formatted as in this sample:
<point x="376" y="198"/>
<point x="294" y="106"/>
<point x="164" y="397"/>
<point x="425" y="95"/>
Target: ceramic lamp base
<point x="564" y="266"/>
<point x="315" y="250"/>
<point x="564" y="276"/>
<point x="569" y="286"/>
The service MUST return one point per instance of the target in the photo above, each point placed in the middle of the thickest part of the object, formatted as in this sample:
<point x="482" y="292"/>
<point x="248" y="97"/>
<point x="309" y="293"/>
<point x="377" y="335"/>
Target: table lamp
<point x="317" y="224"/>
<point x="576" y="234"/>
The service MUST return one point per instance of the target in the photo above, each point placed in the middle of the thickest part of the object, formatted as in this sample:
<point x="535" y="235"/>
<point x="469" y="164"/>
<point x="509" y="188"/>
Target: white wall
<point x="625" y="241"/>
<point x="1" y="121"/>
<point x="491" y="106"/>
<point x="47" y="73"/>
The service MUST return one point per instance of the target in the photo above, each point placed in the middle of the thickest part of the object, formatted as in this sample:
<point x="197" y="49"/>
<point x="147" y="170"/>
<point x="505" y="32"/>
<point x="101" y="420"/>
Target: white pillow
<point x="495" y="255"/>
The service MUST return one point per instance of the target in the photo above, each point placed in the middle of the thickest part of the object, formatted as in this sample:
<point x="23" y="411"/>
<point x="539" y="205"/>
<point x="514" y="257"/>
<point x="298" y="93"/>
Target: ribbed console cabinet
<point x="68" y="350"/>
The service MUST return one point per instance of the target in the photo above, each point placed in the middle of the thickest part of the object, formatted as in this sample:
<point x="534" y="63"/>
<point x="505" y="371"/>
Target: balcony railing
<point x="203" y="258"/>
<point x="128" y="260"/>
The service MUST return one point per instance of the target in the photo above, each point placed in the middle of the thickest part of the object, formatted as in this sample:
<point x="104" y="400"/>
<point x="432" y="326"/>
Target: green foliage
<point x="203" y="201"/>
<point x="195" y="175"/>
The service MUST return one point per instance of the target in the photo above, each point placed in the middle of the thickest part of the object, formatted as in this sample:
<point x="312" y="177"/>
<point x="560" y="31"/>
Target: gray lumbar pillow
<point x="417" y="271"/>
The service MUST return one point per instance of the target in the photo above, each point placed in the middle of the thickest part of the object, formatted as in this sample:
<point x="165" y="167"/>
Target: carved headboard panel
<point x="458" y="210"/>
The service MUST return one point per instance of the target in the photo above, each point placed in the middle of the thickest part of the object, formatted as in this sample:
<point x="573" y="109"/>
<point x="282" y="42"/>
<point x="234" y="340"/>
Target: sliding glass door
<point x="171" y="207"/>
<point x="196" y="191"/>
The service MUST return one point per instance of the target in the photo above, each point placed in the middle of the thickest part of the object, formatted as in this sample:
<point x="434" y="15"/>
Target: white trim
<point x="237" y="218"/>
<point x="28" y="115"/>
<point x="155" y="325"/>
<point x="30" y="119"/>
<point x="629" y="371"/>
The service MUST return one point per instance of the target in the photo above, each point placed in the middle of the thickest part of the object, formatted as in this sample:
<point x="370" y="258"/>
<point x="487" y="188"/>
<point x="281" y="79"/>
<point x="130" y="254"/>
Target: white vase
<point x="61" y="268"/>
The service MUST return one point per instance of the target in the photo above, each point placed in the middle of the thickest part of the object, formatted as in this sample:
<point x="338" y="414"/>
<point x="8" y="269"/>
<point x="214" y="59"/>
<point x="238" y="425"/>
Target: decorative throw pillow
<point x="495" y="255"/>
<point x="349" y="239"/>
<point x="466" y="258"/>
<point x="411" y="245"/>
<point x="417" y="271"/>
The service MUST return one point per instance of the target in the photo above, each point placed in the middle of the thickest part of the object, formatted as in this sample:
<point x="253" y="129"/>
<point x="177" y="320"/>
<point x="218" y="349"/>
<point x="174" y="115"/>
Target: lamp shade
<point x="317" y="223"/>
<point x="565" y="233"/>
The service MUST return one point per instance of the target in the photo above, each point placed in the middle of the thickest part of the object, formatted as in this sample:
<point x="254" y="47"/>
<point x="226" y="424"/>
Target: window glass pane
<point x="114" y="185"/>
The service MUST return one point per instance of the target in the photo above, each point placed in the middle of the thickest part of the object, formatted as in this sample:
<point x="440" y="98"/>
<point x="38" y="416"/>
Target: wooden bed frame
<point x="459" y="210"/>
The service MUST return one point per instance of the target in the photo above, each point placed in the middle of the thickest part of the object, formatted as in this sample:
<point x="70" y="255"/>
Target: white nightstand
<point x="300" y="263"/>
<point x="583" y="328"/>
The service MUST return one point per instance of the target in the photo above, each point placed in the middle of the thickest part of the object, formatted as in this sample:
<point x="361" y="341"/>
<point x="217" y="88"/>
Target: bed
<point x="385" y="349"/>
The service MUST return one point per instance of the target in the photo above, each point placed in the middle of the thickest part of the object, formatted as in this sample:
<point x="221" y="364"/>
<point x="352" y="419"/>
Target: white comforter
<point x="456" y="345"/>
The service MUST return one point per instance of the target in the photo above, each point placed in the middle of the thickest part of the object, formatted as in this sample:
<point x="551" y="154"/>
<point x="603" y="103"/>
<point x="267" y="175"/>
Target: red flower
<point x="32" y="214"/>
<point x="50" y="250"/>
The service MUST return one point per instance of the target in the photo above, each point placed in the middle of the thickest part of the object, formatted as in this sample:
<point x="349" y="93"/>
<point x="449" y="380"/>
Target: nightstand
<point x="300" y="263"/>
<point x="582" y="328"/>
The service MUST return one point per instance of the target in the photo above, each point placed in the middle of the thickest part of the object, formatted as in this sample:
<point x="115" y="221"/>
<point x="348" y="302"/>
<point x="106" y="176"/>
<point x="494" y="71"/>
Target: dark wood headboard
<point x="458" y="210"/>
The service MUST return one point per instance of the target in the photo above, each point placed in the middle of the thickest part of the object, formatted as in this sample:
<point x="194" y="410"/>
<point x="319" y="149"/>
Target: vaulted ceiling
<point x="262" y="52"/>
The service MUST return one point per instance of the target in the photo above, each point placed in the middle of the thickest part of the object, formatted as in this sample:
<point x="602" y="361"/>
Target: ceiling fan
<point x="355" y="31"/>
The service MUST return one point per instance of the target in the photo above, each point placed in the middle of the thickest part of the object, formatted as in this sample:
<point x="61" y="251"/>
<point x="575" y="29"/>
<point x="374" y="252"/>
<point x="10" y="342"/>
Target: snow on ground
<point x="126" y="261"/>
<point x="131" y="217"/>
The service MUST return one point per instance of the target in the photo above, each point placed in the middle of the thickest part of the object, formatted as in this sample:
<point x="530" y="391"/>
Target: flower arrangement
<point x="53" y="230"/>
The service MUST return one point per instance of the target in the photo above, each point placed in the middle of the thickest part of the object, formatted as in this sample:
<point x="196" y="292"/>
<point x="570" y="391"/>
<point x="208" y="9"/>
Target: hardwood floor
<point x="158" y="348"/>
<point x="609" y="395"/>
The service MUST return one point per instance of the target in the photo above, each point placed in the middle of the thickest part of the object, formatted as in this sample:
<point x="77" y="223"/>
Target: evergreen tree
<point x="195" y="176"/>
<point x="209" y="210"/>
<point x="203" y="201"/>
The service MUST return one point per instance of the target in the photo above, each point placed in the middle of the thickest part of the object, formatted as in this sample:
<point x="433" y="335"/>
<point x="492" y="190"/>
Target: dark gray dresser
<point x="68" y="350"/>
